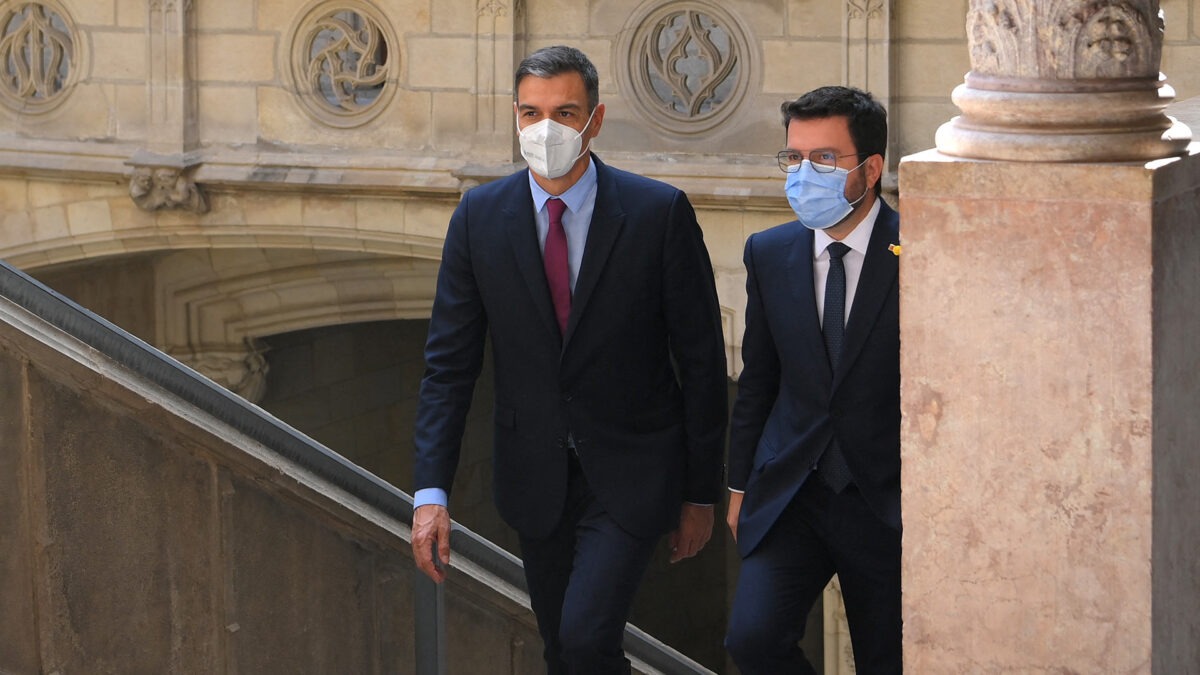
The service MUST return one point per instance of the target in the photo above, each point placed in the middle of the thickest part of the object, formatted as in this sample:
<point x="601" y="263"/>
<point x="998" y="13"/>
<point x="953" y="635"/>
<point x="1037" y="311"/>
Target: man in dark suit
<point x="814" y="460"/>
<point x="598" y="295"/>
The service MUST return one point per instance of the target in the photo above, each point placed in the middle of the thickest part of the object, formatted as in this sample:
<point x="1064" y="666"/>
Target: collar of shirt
<point x="574" y="197"/>
<point x="857" y="240"/>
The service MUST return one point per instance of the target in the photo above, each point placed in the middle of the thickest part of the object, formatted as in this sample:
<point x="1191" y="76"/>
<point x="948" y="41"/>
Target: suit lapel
<point x="517" y="218"/>
<point x="800" y="280"/>
<point x="879" y="272"/>
<point x="607" y="220"/>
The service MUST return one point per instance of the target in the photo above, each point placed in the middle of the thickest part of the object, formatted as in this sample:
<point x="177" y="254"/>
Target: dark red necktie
<point x="554" y="257"/>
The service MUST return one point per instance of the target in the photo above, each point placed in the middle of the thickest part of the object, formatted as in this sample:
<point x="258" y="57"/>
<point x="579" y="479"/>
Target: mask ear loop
<point x="856" y="202"/>
<point x="584" y="151"/>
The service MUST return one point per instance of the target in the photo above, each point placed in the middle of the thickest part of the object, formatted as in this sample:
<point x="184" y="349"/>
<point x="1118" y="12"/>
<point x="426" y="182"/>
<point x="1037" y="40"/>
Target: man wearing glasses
<point x="814" y="458"/>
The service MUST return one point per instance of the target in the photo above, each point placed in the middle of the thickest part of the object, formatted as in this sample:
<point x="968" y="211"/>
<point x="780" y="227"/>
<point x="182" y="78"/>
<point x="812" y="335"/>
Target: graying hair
<point x="550" y="61"/>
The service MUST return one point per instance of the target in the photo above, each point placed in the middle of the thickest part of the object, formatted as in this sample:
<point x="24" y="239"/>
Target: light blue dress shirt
<point x="580" y="199"/>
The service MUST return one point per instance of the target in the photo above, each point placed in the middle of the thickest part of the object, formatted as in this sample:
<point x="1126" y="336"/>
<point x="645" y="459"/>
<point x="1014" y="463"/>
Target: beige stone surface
<point x="427" y="219"/>
<point x="558" y="19"/>
<point x="118" y="55"/>
<point x="764" y="19"/>
<point x="1176" y="23"/>
<point x="414" y="16"/>
<point x="1181" y="64"/>
<point x="16" y="229"/>
<point x="1030" y="432"/>
<point x="86" y="115"/>
<point x="459" y="17"/>
<point x="931" y="69"/>
<point x="91" y="12"/>
<point x="131" y="13"/>
<point x="279" y="17"/>
<point x="228" y="114"/>
<point x="224" y="14"/>
<point x="129" y="111"/>
<point x="13" y="194"/>
<point x="379" y="215"/>
<point x="328" y="212"/>
<point x="780" y="74"/>
<point x="50" y="223"/>
<point x="455" y="120"/>
<point x="269" y="209"/>
<point x="723" y="236"/>
<point x="89" y="217"/>
<point x="441" y="62"/>
<point x="609" y="17"/>
<point x="232" y="57"/>
<point x="814" y="18"/>
<point x="931" y="19"/>
<point x="914" y="123"/>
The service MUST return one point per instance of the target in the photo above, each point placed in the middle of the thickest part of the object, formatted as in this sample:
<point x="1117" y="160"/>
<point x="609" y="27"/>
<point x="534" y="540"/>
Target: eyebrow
<point x="565" y="106"/>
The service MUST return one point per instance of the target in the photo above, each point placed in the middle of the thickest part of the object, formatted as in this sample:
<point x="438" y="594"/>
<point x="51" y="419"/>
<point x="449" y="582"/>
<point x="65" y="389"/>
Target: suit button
<point x="562" y="442"/>
<point x="566" y="398"/>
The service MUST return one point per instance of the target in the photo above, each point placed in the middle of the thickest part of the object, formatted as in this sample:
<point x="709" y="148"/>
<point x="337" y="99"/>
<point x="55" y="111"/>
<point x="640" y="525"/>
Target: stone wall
<point x="139" y="535"/>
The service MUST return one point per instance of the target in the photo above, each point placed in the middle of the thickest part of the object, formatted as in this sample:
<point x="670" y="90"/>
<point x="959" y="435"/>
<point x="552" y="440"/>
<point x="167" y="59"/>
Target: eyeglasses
<point x="823" y="161"/>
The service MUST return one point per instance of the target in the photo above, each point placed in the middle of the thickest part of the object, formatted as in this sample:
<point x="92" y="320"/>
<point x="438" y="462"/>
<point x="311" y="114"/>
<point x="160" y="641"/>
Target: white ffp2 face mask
<point x="551" y="148"/>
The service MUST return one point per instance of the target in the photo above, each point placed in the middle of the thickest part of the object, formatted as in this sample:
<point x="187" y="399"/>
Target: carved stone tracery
<point x="687" y="65"/>
<point x="344" y="62"/>
<point x="37" y="55"/>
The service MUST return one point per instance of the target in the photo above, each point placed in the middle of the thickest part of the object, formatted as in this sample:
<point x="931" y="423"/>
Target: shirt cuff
<point x="698" y="504"/>
<point x="740" y="492"/>
<point x="426" y="496"/>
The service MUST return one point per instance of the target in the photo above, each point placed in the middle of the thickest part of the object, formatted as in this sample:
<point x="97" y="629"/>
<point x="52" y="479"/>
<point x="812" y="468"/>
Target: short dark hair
<point x="866" y="117"/>
<point x="550" y="61"/>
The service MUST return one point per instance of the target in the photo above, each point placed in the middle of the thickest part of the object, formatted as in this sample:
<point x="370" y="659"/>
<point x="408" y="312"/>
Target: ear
<point x="874" y="167"/>
<point x="597" y="121"/>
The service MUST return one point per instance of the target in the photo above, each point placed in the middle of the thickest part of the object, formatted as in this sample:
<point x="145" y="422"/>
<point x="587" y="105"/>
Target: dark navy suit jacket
<point x="790" y="403"/>
<point x="638" y="380"/>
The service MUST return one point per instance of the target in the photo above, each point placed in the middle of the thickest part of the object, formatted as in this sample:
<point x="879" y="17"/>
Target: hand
<point x="734" y="510"/>
<point x="431" y="528"/>
<point x="695" y="527"/>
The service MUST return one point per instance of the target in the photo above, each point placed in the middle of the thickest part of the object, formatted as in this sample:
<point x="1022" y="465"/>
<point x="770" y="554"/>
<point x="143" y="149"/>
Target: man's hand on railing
<point x="431" y="540"/>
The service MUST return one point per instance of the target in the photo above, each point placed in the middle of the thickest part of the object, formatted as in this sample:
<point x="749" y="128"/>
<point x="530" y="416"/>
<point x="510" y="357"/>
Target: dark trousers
<point x="582" y="580"/>
<point x="819" y="534"/>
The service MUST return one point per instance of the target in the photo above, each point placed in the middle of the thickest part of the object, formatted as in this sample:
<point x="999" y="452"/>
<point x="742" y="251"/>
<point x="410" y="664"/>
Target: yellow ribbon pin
<point x="894" y="248"/>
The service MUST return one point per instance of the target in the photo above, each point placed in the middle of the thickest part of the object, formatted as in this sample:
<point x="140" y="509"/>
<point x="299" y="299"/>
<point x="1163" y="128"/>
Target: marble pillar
<point x="1049" y="319"/>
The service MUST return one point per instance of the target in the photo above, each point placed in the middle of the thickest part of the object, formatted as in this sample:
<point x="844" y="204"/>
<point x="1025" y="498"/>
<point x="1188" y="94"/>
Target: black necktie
<point x="832" y="464"/>
<point x="834" y="323"/>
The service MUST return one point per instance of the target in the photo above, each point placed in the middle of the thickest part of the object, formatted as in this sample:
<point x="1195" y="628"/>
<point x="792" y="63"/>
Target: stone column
<point x="1064" y="80"/>
<point x="1050" y="376"/>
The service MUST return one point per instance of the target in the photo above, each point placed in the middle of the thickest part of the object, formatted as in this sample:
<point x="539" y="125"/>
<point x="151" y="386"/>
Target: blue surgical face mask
<point x="819" y="199"/>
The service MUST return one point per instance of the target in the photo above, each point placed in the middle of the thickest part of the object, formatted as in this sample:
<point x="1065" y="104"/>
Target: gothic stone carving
<point x="158" y="188"/>
<point x="1065" y="40"/>
<point x="1064" y="80"/>
<point x="870" y="9"/>
<point x="37" y="55"/>
<point x="687" y="66"/>
<point x="240" y="370"/>
<point x="344" y="62"/>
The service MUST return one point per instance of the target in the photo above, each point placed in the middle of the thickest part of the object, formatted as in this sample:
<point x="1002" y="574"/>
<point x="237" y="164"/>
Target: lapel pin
<point x="894" y="248"/>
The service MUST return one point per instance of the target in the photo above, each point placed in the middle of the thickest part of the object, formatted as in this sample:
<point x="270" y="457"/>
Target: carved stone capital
<point x="1064" y="80"/>
<point x="155" y="188"/>
<point x="241" y="369"/>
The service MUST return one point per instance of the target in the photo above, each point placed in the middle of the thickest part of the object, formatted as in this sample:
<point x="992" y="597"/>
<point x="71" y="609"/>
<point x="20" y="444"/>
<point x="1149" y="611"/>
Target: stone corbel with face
<point x="159" y="187"/>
